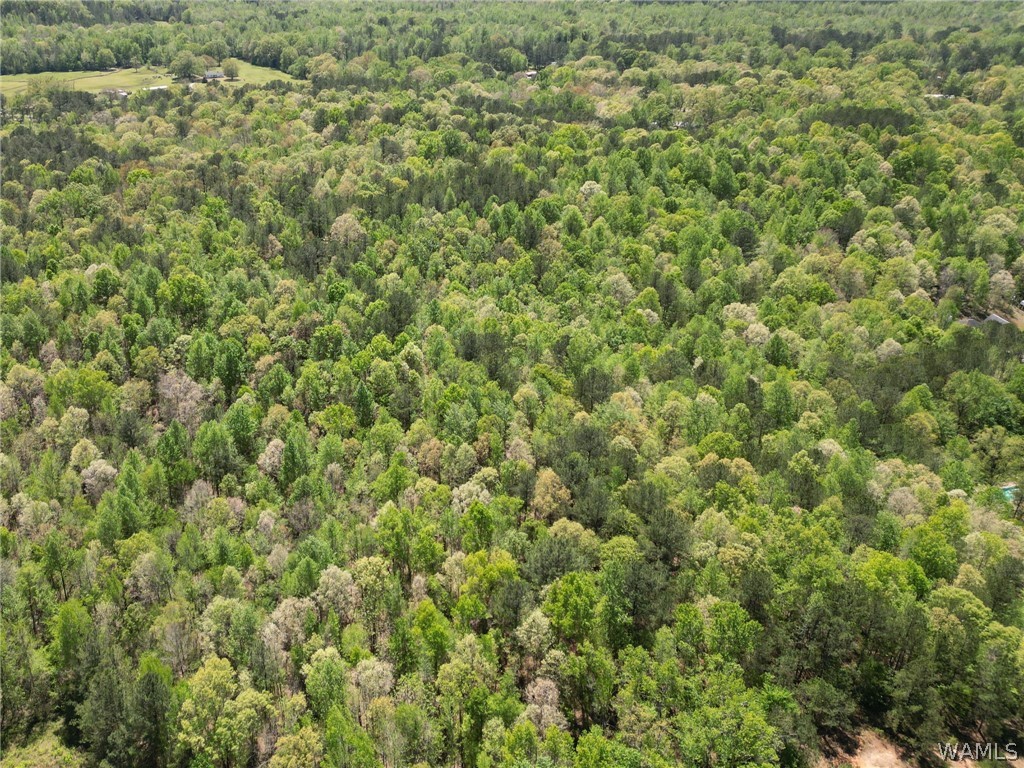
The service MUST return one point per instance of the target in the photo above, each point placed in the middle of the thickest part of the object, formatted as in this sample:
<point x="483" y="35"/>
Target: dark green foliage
<point x="519" y="385"/>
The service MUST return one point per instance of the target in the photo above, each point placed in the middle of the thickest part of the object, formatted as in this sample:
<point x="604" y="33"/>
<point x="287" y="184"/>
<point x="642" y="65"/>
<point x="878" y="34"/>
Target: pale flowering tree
<point x="97" y="479"/>
<point x="48" y="353"/>
<point x="273" y="248"/>
<point x="290" y="617"/>
<point x="542" y="706"/>
<point x="1002" y="288"/>
<point x="38" y="409"/>
<point x="371" y="679"/>
<point x="181" y="399"/>
<point x="519" y="450"/>
<point x="335" y="476"/>
<point x="8" y="402"/>
<point x="274" y="643"/>
<point x="888" y="349"/>
<point x="34" y="518"/>
<point x="418" y="589"/>
<point x="428" y="458"/>
<point x="535" y="637"/>
<point x="904" y="503"/>
<point x="270" y="460"/>
<point x="757" y="334"/>
<point x="617" y="285"/>
<point x="150" y="579"/>
<point x="830" y="448"/>
<point x="266" y="522"/>
<point x="25" y="383"/>
<point x="277" y="558"/>
<point x="453" y="573"/>
<point x="467" y="493"/>
<point x="347" y="236"/>
<point x="738" y="312"/>
<point x="551" y="499"/>
<point x="650" y="316"/>
<point x="337" y="592"/>
<point x="198" y="496"/>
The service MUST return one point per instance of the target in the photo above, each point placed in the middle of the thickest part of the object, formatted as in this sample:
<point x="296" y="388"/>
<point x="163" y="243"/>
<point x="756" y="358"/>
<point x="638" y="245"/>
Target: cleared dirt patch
<point x="873" y="750"/>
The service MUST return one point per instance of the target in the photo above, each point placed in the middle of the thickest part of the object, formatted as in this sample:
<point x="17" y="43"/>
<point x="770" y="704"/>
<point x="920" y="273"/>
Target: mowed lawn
<point x="250" y="74"/>
<point x="94" y="82"/>
<point x="130" y="79"/>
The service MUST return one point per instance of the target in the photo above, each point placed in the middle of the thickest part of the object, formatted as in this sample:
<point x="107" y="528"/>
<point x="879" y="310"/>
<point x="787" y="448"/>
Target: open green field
<point x="131" y="79"/>
<point x="93" y="82"/>
<point x="250" y="73"/>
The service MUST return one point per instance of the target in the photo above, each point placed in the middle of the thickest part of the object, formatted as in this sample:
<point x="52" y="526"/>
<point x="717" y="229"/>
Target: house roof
<point x="974" y="322"/>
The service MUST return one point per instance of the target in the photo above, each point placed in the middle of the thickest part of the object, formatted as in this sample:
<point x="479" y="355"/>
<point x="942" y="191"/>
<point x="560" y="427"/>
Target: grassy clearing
<point x="93" y="82"/>
<point x="130" y="79"/>
<point x="44" y="752"/>
<point x="250" y="74"/>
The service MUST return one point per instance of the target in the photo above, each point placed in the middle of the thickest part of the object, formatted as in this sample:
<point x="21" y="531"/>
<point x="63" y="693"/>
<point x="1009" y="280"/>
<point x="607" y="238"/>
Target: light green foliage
<point x="302" y="749"/>
<point x="495" y="386"/>
<point x="572" y="606"/>
<point x="347" y="745"/>
<point x="220" y="717"/>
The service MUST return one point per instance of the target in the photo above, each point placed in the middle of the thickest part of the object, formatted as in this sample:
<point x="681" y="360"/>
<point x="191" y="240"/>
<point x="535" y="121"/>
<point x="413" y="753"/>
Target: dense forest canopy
<point x="566" y="385"/>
